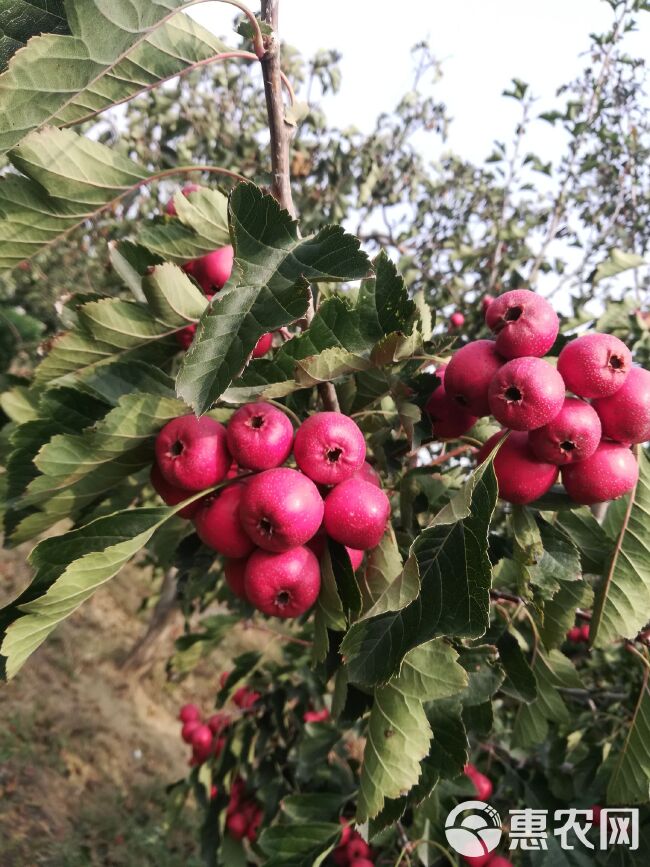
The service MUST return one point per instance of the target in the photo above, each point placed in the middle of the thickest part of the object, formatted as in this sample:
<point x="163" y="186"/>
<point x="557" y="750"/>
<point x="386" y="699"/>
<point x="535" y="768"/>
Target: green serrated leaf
<point x="303" y="844"/>
<point x="617" y="262"/>
<point x="630" y="779"/>
<point x="622" y="599"/>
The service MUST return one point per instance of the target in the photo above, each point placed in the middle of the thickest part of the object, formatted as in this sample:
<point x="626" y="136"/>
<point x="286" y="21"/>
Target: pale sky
<point x="483" y="44"/>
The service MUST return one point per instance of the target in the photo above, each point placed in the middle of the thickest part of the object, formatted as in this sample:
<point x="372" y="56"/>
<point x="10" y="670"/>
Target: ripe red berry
<point x="329" y="447"/>
<point x="448" y="419"/>
<point x="356" y="513"/>
<point x="263" y="345"/>
<point x="584" y="632"/>
<point x="361" y="862"/>
<point x="202" y="737"/>
<point x="187" y="732"/>
<point x="486" y="300"/>
<point x="170" y="207"/>
<point x="218" y="722"/>
<point x="316" y="716"/>
<point x="237" y="826"/>
<point x="213" y="270"/>
<point x="482" y="784"/>
<point x="234" y="571"/>
<point x="218" y="524"/>
<point x="357" y="847"/>
<point x="192" y="452"/>
<point x="260" y="436"/>
<point x="285" y="584"/>
<point x="189" y="712"/>
<point x="526" y="393"/>
<point x="281" y="509"/>
<point x="369" y="474"/>
<point x="245" y="698"/>
<point x="469" y="373"/>
<point x="356" y="557"/>
<point x="254" y="825"/>
<point x="521" y="477"/>
<point x="185" y="336"/>
<point x="595" y="365"/>
<point x="524" y="322"/>
<point x="572" y="436"/>
<point x="171" y="495"/>
<point x="478" y="860"/>
<point x="609" y="473"/>
<point x="625" y="416"/>
<point x="499" y="861"/>
<point x="574" y="635"/>
<point x="346" y="832"/>
<point x="457" y="320"/>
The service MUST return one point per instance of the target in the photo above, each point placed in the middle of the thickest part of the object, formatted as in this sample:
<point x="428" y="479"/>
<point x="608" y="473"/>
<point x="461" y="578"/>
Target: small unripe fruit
<point x="171" y="495"/>
<point x="524" y="322"/>
<point x="263" y="345"/>
<point x="356" y="513"/>
<point x="448" y="418"/>
<point x="170" y="207"/>
<point x="329" y="447"/>
<point x="482" y="784"/>
<point x="283" y="585"/>
<point x="572" y="436"/>
<point x="469" y="373"/>
<point x="520" y="476"/>
<point x="219" y="526"/>
<point x="213" y="270"/>
<point x="234" y="571"/>
<point x="369" y="474"/>
<point x="260" y="436"/>
<point x="192" y="452"/>
<point x="187" y="732"/>
<point x="595" y="365"/>
<point x="457" y="320"/>
<point x="609" y="473"/>
<point x="625" y="416"/>
<point x="281" y="509"/>
<point x="526" y="393"/>
<point x="189" y="712"/>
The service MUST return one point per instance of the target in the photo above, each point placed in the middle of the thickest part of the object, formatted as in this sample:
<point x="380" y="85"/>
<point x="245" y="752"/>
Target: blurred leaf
<point x="617" y="262"/>
<point x="304" y="844"/>
<point x="630" y="779"/>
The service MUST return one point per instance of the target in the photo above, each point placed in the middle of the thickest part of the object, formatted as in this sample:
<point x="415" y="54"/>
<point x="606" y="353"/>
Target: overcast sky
<point x="483" y="44"/>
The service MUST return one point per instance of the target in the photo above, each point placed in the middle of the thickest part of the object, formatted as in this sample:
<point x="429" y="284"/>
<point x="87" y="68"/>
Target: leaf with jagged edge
<point x="115" y="330"/>
<point x="69" y="568"/>
<point x="455" y="576"/>
<point x="629" y="782"/>
<point x="67" y="179"/>
<point x="399" y="734"/>
<point x="58" y="78"/>
<point x="622" y="598"/>
<point x="273" y="268"/>
<point x="385" y="584"/>
<point x="300" y="844"/>
<point x="560" y="611"/>
<point x="22" y="19"/>
<point x="383" y="303"/>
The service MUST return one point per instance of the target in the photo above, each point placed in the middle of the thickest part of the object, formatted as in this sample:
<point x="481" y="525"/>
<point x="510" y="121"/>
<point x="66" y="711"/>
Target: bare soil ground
<point x="85" y="751"/>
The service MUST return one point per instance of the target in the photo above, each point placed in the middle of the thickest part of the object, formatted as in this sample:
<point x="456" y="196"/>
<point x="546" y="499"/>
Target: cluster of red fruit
<point x="211" y="272"/>
<point x="205" y="738"/>
<point x="272" y="523"/>
<point x="578" y="634"/>
<point x="352" y="850"/>
<point x="243" y="814"/>
<point x="588" y="434"/>
<point x="483" y="788"/>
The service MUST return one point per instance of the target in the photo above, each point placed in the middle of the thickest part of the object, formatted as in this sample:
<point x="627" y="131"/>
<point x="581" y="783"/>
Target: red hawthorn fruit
<point x="524" y="324"/>
<point x="170" y="207"/>
<point x="572" y="436"/>
<point x="584" y="632"/>
<point x="469" y="373"/>
<point x="448" y="419"/>
<point x="234" y="572"/>
<point x="457" y="320"/>
<point x="171" y="495"/>
<point x="526" y="393"/>
<point x="329" y="448"/>
<point x="356" y="514"/>
<point x="520" y="476"/>
<point x="189" y="712"/>
<point x="263" y="345"/>
<point x="609" y="473"/>
<point x="316" y="716"/>
<point x="574" y="635"/>
<point x="237" y="826"/>
<point x="192" y="452"/>
<point x="245" y="698"/>
<point x="482" y="784"/>
<point x="625" y="415"/>
<point x="595" y="365"/>
<point x="478" y="860"/>
<point x="218" y="722"/>
<point x="185" y="336"/>
<point x="260" y="436"/>
<point x="187" y="732"/>
<point x="357" y="847"/>
<point x="346" y="831"/>
<point x="286" y="584"/>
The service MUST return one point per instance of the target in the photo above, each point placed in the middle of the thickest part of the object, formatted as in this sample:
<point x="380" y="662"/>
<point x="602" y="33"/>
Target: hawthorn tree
<point x="448" y="648"/>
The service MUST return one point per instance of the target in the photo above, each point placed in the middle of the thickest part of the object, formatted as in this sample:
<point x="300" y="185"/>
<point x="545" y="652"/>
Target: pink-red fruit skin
<point x="520" y="476"/>
<point x="329" y="447"/>
<point x="625" y="416"/>
<point x="234" y="571"/>
<point x="369" y="474"/>
<point x="595" y="365"/>
<point x="281" y="509"/>
<point x="457" y="320"/>
<point x="170" y="207"/>
<point x="609" y="473"/>
<point x="172" y="496"/>
<point x="189" y="712"/>
<point x="526" y="393"/>
<point x="192" y="452"/>
<point x="213" y="270"/>
<point x="572" y="436"/>
<point x="448" y="418"/>
<point x="499" y="861"/>
<point x="356" y="513"/>
<point x="469" y="373"/>
<point x="263" y="345"/>
<point x="283" y="585"/>
<point x="482" y="784"/>
<point x="524" y="323"/>
<point x="478" y="860"/>
<point x="259" y="436"/>
<point x="218" y="524"/>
